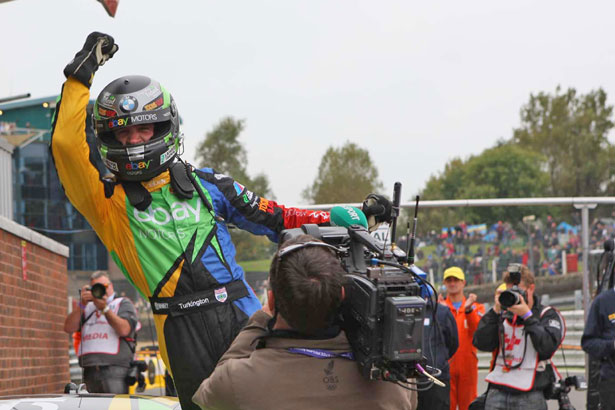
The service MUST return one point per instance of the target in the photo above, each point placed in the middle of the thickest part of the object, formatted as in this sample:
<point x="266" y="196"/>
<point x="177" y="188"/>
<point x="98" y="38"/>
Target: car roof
<point x="88" y="401"/>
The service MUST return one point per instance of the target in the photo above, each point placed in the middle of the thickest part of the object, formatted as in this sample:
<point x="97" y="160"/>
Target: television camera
<point x="383" y="313"/>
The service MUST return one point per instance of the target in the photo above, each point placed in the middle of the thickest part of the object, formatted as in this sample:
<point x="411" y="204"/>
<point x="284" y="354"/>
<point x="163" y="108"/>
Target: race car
<point x="75" y="400"/>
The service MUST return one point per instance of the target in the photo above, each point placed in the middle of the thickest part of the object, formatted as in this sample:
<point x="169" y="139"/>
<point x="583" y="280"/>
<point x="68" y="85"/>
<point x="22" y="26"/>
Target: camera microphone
<point x="345" y="216"/>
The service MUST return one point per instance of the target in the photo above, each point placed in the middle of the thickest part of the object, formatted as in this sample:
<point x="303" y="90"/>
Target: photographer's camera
<point x="559" y="391"/>
<point x="135" y="374"/>
<point x="512" y="296"/>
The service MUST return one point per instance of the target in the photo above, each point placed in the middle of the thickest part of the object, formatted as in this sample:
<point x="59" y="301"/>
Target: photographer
<point x="525" y="336"/>
<point x="299" y="359"/>
<point x="104" y="320"/>
<point x="598" y="341"/>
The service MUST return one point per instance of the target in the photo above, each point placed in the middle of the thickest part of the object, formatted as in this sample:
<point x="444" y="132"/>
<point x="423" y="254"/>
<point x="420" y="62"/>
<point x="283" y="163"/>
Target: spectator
<point x="598" y="341"/>
<point x="440" y="342"/>
<point x="464" y="364"/>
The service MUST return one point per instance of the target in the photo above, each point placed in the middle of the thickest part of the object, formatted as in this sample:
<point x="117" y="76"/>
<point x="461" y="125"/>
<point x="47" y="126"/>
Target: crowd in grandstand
<point x="7" y="128"/>
<point x="476" y="250"/>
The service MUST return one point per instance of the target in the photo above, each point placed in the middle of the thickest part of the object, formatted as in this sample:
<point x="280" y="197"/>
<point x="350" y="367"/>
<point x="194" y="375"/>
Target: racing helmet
<point x="134" y="100"/>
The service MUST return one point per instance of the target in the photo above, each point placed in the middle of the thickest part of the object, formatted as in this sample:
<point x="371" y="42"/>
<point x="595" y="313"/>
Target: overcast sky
<point x="415" y="83"/>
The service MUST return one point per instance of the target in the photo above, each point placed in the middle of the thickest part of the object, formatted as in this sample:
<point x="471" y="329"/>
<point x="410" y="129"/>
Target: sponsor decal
<point x="136" y="153"/>
<point x="154" y="104"/>
<point x="330" y="380"/>
<point x="111" y="165"/>
<point x="612" y="317"/>
<point x="143" y="118"/>
<point x="120" y="122"/>
<point x="153" y="183"/>
<point x="107" y="98"/>
<point x="131" y="166"/>
<point x="247" y="197"/>
<point x="106" y="113"/>
<point x="265" y="205"/>
<point x="158" y="234"/>
<point x="128" y="104"/>
<point x="238" y="187"/>
<point x="167" y="155"/>
<point x="220" y="176"/>
<point x="151" y="91"/>
<point x="160" y="306"/>
<point x="555" y="323"/>
<point x="301" y="213"/>
<point x="255" y="201"/>
<point x="161" y="216"/>
<point x="221" y="294"/>
<point x="511" y="342"/>
<point x="193" y="303"/>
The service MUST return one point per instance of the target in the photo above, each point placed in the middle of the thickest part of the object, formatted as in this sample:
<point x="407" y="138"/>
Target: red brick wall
<point x="33" y="345"/>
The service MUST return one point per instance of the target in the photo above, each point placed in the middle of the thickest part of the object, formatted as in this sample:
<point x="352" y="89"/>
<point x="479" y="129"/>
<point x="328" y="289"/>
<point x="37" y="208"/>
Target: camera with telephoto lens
<point x="135" y="374"/>
<point x="98" y="290"/>
<point x="383" y="312"/>
<point x="512" y="296"/>
<point x="559" y="390"/>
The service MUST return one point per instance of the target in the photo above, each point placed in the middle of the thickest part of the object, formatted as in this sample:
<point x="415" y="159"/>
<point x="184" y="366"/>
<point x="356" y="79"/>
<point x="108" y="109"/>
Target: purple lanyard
<point x="320" y="353"/>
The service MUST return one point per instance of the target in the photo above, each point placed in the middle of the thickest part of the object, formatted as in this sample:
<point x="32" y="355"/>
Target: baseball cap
<point x="454" y="272"/>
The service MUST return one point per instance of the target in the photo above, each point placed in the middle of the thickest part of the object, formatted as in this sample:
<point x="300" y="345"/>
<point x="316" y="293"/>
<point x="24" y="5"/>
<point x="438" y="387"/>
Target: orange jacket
<point x="465" y="357"/>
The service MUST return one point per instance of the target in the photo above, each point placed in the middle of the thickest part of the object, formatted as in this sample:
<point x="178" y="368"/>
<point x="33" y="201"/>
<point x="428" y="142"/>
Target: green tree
<point x="345" y="174"/>
<point x="222" y="151"/>
<point x="504" y="171"/>
<point x="570" y="131"/>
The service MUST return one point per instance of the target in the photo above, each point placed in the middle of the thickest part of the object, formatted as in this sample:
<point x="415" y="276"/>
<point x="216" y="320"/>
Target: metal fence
<point x="584" y="204"/>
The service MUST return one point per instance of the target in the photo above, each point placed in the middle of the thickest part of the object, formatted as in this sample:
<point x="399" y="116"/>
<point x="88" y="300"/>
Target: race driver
<point x="163" y="222"/>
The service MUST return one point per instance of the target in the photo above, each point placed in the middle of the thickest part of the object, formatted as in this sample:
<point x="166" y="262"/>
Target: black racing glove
<point x="98" y="48"/>
<point x="377" y="209"/>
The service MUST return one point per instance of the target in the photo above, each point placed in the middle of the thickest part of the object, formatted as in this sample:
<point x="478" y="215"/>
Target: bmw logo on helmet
<point x="128" y="104"/>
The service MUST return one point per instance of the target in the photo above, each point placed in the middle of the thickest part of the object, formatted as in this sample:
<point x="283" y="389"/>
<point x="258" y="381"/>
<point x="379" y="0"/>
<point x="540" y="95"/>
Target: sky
<point x="416" y="83"/>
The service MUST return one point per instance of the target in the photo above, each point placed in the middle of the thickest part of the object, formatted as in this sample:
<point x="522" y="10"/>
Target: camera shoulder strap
<point x="502" y="335"/>
<point x="83" y="320"/>
<point x="132" y="347"/>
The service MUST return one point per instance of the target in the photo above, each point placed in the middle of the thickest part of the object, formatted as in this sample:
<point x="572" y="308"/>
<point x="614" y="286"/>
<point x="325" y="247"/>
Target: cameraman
<point x="598" y="341"/>
<point x="104" y="320"/>
<point x="299" y="358"/>
<point x="529" y="334"/>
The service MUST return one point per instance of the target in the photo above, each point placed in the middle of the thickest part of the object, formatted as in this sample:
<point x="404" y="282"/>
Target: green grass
<point x="261" y="265"/>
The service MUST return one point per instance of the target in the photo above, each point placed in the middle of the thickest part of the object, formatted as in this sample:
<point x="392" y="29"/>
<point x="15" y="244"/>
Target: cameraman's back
<point x="303" y="360"/>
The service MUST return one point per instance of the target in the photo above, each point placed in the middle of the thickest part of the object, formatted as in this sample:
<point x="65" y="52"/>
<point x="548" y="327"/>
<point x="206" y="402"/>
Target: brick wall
<point x="33" y="345"/>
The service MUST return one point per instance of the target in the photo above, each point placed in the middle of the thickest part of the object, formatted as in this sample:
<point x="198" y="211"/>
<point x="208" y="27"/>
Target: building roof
<point x="28" y="102"/>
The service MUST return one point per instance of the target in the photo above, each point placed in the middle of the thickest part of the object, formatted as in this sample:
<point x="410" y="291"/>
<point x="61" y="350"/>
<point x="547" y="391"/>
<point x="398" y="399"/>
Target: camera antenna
<point x="412" y="238"/>
<point x="395" y="212"/>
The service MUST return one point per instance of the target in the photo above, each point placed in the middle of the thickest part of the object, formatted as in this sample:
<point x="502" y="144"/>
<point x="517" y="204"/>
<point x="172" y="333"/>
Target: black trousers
<point x="195" y="342"/>
<point x="106" y="379"/>
<point x="436" y="398"/>
<point x="607" y="394"/>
